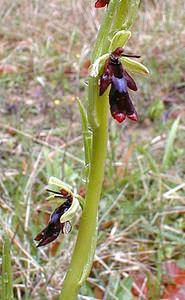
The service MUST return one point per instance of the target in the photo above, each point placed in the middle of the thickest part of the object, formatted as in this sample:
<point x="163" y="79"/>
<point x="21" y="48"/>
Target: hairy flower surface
<point x="101" y="3"/>
<point x="121" y="105"/>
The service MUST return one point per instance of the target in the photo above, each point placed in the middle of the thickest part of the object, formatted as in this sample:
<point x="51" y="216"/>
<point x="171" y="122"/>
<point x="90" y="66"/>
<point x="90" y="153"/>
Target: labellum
<point x="121" y="105"/>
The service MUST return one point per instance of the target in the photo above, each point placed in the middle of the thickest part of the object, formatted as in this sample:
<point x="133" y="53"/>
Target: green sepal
<point x="134" y="66"/>
<point x="61" y="184"/>
<point x="81" y="200"/>
<point x="97" y="67"/>
<point x="119" y="40"/>
<point x="71" y="212"/>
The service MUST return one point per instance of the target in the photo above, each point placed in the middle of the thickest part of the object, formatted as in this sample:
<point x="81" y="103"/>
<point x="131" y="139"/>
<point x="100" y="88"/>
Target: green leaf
<point x="7" y="288"/>
<point x="97" y="67"/>
<point x="86" y="133"/>
<point x="134" y="66"/>
<point x="169" y="149"/>
<point x="119" y="39"/>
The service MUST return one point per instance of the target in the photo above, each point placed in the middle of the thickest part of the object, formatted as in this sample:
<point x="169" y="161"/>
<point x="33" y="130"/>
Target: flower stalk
<point x="98" y="106"/>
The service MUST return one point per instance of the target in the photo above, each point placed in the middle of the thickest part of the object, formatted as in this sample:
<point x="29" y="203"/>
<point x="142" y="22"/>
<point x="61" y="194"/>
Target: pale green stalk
<point x="83" y="254"/>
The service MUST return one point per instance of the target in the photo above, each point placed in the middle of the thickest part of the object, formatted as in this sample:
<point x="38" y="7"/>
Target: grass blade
<point x="7" y="288"/>
<point x="168" y="153"/>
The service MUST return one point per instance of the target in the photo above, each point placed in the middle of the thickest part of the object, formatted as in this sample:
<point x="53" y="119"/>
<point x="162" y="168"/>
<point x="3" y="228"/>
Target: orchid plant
<point x="109" y="82"/>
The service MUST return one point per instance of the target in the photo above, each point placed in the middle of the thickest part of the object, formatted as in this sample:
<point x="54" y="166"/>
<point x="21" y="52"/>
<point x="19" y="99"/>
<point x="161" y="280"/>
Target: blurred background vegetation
<point x="44" y="58"/>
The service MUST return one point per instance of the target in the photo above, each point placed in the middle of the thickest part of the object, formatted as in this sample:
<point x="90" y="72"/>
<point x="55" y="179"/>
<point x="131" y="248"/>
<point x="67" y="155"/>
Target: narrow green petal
<point x="134" y="66"/>
<point x="97" y="68"/>
<point x="119" y="39"/>
<point x="71" y="212"/>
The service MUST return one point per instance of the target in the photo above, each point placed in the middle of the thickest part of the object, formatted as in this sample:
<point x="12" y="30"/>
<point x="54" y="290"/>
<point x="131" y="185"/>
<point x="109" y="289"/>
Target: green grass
<point x="6" y="288"/>
<point x="142" y="208"/>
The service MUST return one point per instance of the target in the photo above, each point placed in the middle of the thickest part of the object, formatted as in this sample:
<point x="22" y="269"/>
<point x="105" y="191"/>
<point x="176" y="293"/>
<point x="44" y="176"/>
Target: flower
<point x="60" y="218"/>
<point x="54" y="227"/>
<point x="121" y="105"/>
<point x="101" y="3"/>
<point x="112" y="68"/>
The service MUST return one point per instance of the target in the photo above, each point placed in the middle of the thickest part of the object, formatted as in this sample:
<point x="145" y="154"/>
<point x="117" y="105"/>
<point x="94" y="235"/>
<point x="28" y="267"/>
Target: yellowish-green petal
<point x="134" y="66"/>
<point x="119" y="40"/>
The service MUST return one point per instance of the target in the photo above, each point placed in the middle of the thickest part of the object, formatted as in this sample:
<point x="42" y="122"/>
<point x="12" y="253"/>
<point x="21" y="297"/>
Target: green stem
<point x="85" y="246"/>
<point x="100" y="48"/>
<point x="102" y="38"/>
<point x="83" y="254"/>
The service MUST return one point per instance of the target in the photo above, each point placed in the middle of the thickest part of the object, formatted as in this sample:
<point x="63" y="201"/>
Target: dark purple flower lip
<point x="121" y="105"/>
<point x="115" y="75"/>
<point x="54" y="227"/>
<point x="101" y="3"/>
